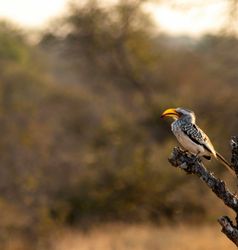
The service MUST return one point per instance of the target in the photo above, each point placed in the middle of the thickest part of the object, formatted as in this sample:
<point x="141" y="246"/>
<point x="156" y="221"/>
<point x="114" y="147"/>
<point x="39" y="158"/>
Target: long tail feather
<point x="225" y="163"/>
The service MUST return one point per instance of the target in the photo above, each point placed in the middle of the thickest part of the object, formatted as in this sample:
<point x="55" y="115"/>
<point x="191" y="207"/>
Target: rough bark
<point x="192" y="165"/>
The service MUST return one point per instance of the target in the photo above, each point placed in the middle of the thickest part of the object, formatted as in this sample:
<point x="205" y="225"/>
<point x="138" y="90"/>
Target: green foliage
<point x="12" y="45"/>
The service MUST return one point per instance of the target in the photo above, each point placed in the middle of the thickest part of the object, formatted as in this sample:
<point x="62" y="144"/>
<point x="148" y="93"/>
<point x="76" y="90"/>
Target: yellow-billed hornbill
<point x="190" y="136"/>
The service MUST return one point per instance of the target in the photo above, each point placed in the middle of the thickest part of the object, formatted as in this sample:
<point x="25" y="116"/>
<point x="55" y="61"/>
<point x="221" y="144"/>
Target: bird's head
<point x="180" y="113"/>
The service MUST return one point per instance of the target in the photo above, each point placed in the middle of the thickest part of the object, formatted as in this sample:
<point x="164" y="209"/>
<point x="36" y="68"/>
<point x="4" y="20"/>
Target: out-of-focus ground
<point x="143" y="237"/>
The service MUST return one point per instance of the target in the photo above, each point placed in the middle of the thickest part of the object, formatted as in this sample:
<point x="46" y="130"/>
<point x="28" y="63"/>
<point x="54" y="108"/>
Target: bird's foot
<point x="186" y="152"/>
<point x="192" y="158"/>
<point x="195" y="158"/>
<point x="235" y="193"/>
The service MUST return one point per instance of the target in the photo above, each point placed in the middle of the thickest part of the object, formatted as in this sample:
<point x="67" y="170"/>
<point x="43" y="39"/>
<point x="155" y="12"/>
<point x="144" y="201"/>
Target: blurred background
<point x="83" y="151"/>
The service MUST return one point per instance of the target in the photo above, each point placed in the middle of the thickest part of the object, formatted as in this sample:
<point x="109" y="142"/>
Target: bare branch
<point x="192" y="165"/>
<point x="229" y="229"/>
<point x="234" y="157"/>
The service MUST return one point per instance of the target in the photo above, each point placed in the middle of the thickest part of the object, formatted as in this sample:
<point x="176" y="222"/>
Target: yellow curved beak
<point x="170" y="113"/>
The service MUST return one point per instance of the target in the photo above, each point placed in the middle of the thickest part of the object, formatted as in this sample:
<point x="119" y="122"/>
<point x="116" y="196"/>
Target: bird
<point x="191" y="137"/>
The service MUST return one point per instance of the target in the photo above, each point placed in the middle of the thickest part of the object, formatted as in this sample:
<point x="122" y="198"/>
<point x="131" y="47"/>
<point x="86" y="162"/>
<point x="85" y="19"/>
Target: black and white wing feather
<point x="198" y="136"/>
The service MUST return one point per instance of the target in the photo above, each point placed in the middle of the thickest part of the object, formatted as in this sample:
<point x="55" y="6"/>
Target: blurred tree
<point x="112" y="45"/>
<point x="125" y="73"/>
<point x="119" y="61"/>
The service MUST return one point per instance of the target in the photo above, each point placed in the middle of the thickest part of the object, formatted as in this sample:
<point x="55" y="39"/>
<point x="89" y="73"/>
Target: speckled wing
<point x="198" y="136"/>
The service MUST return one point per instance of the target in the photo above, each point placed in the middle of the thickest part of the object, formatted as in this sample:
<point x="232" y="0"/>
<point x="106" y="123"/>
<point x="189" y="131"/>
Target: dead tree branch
<point x="191" y="165"/>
